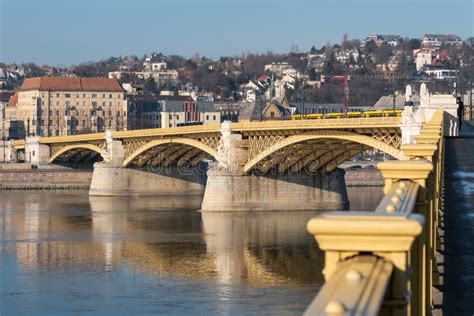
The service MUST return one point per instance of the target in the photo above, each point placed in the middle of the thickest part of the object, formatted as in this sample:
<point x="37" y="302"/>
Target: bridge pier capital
<point x="115" y="151"/>
<point x="232" y="152"/>
<point x="35" y="152"/>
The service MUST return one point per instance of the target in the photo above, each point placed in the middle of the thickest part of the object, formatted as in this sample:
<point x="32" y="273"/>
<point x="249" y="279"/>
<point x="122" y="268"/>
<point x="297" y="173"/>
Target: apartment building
<point x="57" y="106"/>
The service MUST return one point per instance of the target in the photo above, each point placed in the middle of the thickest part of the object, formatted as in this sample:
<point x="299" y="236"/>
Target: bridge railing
<point x="383" y="262"/>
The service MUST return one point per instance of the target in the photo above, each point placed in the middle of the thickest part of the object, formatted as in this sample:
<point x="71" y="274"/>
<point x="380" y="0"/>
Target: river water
<point x="66" y="252"/>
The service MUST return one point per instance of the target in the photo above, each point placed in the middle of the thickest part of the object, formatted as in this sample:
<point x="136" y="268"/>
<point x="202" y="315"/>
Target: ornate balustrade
<point x="383" y="262"/>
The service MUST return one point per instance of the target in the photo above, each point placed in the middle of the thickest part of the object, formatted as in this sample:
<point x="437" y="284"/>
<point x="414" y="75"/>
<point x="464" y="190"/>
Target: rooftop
<point x="71" y="84"/>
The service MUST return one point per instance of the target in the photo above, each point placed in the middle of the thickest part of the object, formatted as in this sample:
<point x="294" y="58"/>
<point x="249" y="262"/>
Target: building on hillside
<point x="436" y="40"/>
<point x="423" y="57"/>
<point x="57" y="106"/>
<point x="160" y="77"/>
<point x="3" y="78"/>
<point x="154" y="63"/>
<point x="279" y="68"/>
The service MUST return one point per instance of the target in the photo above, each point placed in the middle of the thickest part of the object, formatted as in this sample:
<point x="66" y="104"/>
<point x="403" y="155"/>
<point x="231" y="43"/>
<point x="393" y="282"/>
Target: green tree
<point x="329" y="64"/>
<point x="312" y="74"/>
<point x="414" y="43"/>
<point x="150" y="86"/>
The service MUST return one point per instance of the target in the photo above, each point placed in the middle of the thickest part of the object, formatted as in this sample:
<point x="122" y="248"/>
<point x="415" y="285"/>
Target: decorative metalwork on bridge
<point x="286" y="146"/>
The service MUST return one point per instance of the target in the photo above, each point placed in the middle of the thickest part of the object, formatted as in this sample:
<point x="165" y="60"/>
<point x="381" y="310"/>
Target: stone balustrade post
<point x="419" y="258"/>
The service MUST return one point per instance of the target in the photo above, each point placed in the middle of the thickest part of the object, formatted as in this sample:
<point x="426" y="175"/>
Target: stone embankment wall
<point x="44" y="179"/>
<point x="363" y="177"/>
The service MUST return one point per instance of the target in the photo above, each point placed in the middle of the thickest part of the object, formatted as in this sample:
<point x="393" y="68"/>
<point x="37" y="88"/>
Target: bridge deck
<point x="458" y="289"/>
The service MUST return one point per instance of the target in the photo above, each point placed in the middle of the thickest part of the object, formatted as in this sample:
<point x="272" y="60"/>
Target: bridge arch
<point x="165" y="141"/>
<point x="319" y="135"/>
<point x="90" y="147"/>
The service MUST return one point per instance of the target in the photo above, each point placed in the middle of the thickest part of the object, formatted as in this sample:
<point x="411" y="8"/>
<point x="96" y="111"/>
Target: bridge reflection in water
<point x="65" y="240"/>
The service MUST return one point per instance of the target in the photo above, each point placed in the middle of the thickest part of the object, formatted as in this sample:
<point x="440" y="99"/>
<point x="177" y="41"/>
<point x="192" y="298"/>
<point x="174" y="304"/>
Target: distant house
<point x="154" y="63"/>
<point x="436" y="40"/>
<point x="3" y="78"/>
<point x="277" y="109"/>
<point x="423" y="57"/>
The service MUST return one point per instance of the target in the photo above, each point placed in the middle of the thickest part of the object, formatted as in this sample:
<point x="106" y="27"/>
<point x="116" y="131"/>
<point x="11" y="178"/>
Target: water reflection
<point x="58" y="242"/>
<point x="60" y="231"/>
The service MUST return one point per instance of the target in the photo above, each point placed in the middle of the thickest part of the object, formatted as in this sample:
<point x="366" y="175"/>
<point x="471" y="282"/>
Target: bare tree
<point x="345" y="42"/>
<point x="294" y="49"/>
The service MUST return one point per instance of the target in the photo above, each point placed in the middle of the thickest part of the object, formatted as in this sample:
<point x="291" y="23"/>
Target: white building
<point x="175" y="119"/>
<point x="159" y="76"/>
<point x="436" y="40"/>
<point x="443" y="74"/>
<point x="279" y="68"/>
<point x="423" y="57"/>
<point x="154" y="63"/>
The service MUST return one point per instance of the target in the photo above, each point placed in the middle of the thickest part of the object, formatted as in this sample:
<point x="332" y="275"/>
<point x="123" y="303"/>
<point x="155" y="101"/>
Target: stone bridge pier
<point x="230" y="189"/>
<point x="111" y="178"/>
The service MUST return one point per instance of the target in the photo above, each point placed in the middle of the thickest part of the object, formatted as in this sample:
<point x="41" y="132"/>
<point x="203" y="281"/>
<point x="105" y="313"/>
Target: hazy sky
<point x="63" y="32"/>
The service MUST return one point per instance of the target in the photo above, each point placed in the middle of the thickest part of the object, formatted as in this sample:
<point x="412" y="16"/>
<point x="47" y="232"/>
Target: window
<point x="272" y="114"/>
<point x="214" y="117"/>
<point x="57" y="132"/>
<point x="103" y="96"/>
<point x="84" y="95"/>
<point x="42" y="122"/>
<point x="177" y="117"/>
<point x="207" y="117"/>
<point x="57" y="103"/>
<point x="57" y="95"/>
<point x="50" y="113"/>
<point x="67" y="112"/>
<point x="94" y="104"/>
<point x="94" y="95"/>
<point x="103" y="103"/>
<point x="110" y="96"/>
<point x="67" y="95"/>
<point x="110" y="103"/>
<point x="118" y="113"/>
<point x="124" y="113"/>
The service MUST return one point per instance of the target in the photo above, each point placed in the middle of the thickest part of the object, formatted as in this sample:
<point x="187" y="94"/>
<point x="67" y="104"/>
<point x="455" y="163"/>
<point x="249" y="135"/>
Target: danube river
<point x="66" y="252"/>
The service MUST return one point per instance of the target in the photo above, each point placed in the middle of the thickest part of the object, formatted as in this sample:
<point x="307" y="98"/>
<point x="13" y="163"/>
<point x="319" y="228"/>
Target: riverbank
<point x="21" y="179"/>
<point x="70" y="179"/>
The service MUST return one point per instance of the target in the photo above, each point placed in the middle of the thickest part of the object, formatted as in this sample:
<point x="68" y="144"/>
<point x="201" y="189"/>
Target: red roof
<point x="71" y="84"/>
<point x="13" y="100"/>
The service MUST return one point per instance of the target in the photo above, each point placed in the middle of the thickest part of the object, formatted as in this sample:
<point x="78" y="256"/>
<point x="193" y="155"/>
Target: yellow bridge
<point x="380" y="262"/>
<point x="280" y="144"/>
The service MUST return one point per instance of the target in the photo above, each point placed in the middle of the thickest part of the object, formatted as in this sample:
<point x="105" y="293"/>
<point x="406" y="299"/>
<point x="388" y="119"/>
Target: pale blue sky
<point x="72" y="31"/>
